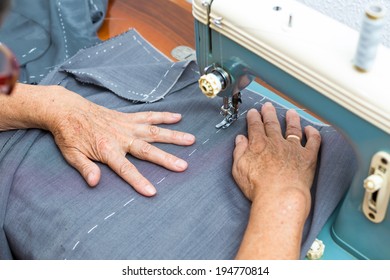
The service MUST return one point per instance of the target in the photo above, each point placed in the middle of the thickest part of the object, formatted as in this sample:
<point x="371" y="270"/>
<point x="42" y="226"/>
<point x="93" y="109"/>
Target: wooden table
<point x="166" y="24"/>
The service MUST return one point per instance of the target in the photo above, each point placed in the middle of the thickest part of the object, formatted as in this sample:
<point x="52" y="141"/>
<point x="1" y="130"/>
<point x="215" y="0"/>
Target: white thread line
<point x="113" y="213"/>
<point x="192" y="152"/>
<point x="75" y="245"/>
<point x="218" y="130"/>
<point x="146" y="50"/>
<point x="128" y="202"/>
<point x="92" y="229"/>
<point x="243" y="112"/>
<point x="205" y="141"/>
<point x="159" y="84"/>
<point x="160" y="181"/>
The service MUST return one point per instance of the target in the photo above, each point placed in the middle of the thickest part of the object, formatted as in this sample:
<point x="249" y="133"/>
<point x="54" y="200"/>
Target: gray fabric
<point x="48" y="211"/>
<point x="43" y="33"/>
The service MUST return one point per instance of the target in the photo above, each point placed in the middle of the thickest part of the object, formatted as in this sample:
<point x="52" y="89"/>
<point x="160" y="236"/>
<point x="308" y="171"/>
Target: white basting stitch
<point x="63" y="29"/>
<point x="33" y="49"/>
<point x="146" y="50"/>
<point x="205" y="141"/>
<point x="75" y="245"/>
<point x="160" y="181"/>
<point x="112" y="214"/>
<point x="93" y="4"/>
<point x="128" y="202"/>
<point x="92" y="229"/>
<point x="218" y="130"/>
<point x="166" y="73"/>
<point x="192" y="152"/>
<point x="243" y="112"/>
<point x="159" y="83"/>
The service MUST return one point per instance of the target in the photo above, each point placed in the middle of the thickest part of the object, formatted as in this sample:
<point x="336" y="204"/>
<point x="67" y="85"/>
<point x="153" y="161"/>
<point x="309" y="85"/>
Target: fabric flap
<point x="118" y="62"/>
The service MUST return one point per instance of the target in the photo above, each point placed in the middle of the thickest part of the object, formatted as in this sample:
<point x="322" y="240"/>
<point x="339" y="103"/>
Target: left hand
<point x="86" y="132"/>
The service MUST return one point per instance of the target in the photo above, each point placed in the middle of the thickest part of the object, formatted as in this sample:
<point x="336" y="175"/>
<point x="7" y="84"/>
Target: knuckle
<point x="271" y="123"/>
<point x="316" y="137"/>
<point x="168" y="158"/>
<point x="149" y="116"/>
<point x="154" y="131"/>
<point x="294" y="128"/>
<point x="255" y="124"/>
<point x="176" y="135"/>
<point x="125" y="169"/>
<point x="145" y="150"/>
<point x="104" y="148"/>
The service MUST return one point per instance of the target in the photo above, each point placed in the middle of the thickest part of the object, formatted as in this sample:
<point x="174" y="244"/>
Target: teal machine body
<point x="309" y="58"/>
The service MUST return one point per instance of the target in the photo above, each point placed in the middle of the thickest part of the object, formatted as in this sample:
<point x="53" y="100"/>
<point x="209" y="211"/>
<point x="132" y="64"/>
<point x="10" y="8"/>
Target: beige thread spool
<point x="370" y="37"/>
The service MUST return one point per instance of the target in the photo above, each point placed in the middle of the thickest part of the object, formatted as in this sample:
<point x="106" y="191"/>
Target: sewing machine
<point x="310" y="58"/>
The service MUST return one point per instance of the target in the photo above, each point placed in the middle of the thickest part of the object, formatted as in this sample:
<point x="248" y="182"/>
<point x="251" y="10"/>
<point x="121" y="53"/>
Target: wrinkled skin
<point x="275" y="172"/>
<point x="87" y="133"/>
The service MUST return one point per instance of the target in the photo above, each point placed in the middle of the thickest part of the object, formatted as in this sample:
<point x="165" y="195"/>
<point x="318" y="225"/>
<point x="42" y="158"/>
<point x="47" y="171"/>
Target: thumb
<point x="87" y="168"/>
<point x="241" y="145"/>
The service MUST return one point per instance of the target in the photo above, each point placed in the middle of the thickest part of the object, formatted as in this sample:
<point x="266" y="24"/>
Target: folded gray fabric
<point x="44" y="33"/>
<point x="49" y="212"/>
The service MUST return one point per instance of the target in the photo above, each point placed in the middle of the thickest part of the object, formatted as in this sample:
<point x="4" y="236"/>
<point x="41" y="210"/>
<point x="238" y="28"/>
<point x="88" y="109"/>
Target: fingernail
<point x="90" y="177"/>
<point x="176" y="116"/>
<point x="253" y="110"/>
<point x="189" y="137"/>
<point x="239" y="139"/>
<point x="150" y="189"/>
<point x="181" y="164"/>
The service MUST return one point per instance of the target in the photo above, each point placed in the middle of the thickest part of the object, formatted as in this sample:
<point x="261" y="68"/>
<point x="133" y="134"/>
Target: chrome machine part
<point x="212" y="83"/>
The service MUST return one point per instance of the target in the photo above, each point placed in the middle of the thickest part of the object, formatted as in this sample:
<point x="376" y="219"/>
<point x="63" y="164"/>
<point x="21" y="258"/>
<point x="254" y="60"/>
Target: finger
<point x="255" y="126"/>
<point x="155" y="117"/>
<point x="151" y="133"/>
<point x="145" y="151"/>
<point x="87" y="168"/>
<point x="128" y="172"/>
<point x="293" y="125"/>
<point x="313" y="139"/>
<point x="241" y="145"/>
<point x="270" y="120"/>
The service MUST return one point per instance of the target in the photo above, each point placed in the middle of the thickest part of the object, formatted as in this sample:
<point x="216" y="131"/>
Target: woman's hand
<point x="268" y="162"/>
<point x="86" y="132"/>
<point x="276" y="174"/>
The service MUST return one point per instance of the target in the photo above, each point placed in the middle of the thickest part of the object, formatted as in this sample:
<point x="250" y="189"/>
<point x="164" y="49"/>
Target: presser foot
<point x="227" y="121"/>
<point x="229" y="109"/>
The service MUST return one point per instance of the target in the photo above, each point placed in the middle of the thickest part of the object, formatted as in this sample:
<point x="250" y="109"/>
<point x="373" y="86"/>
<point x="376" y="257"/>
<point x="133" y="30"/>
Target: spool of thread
<point x="370" y="37"/>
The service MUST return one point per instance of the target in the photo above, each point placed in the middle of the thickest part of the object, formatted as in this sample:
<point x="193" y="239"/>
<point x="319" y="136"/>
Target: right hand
<point x="266" y="163"/>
